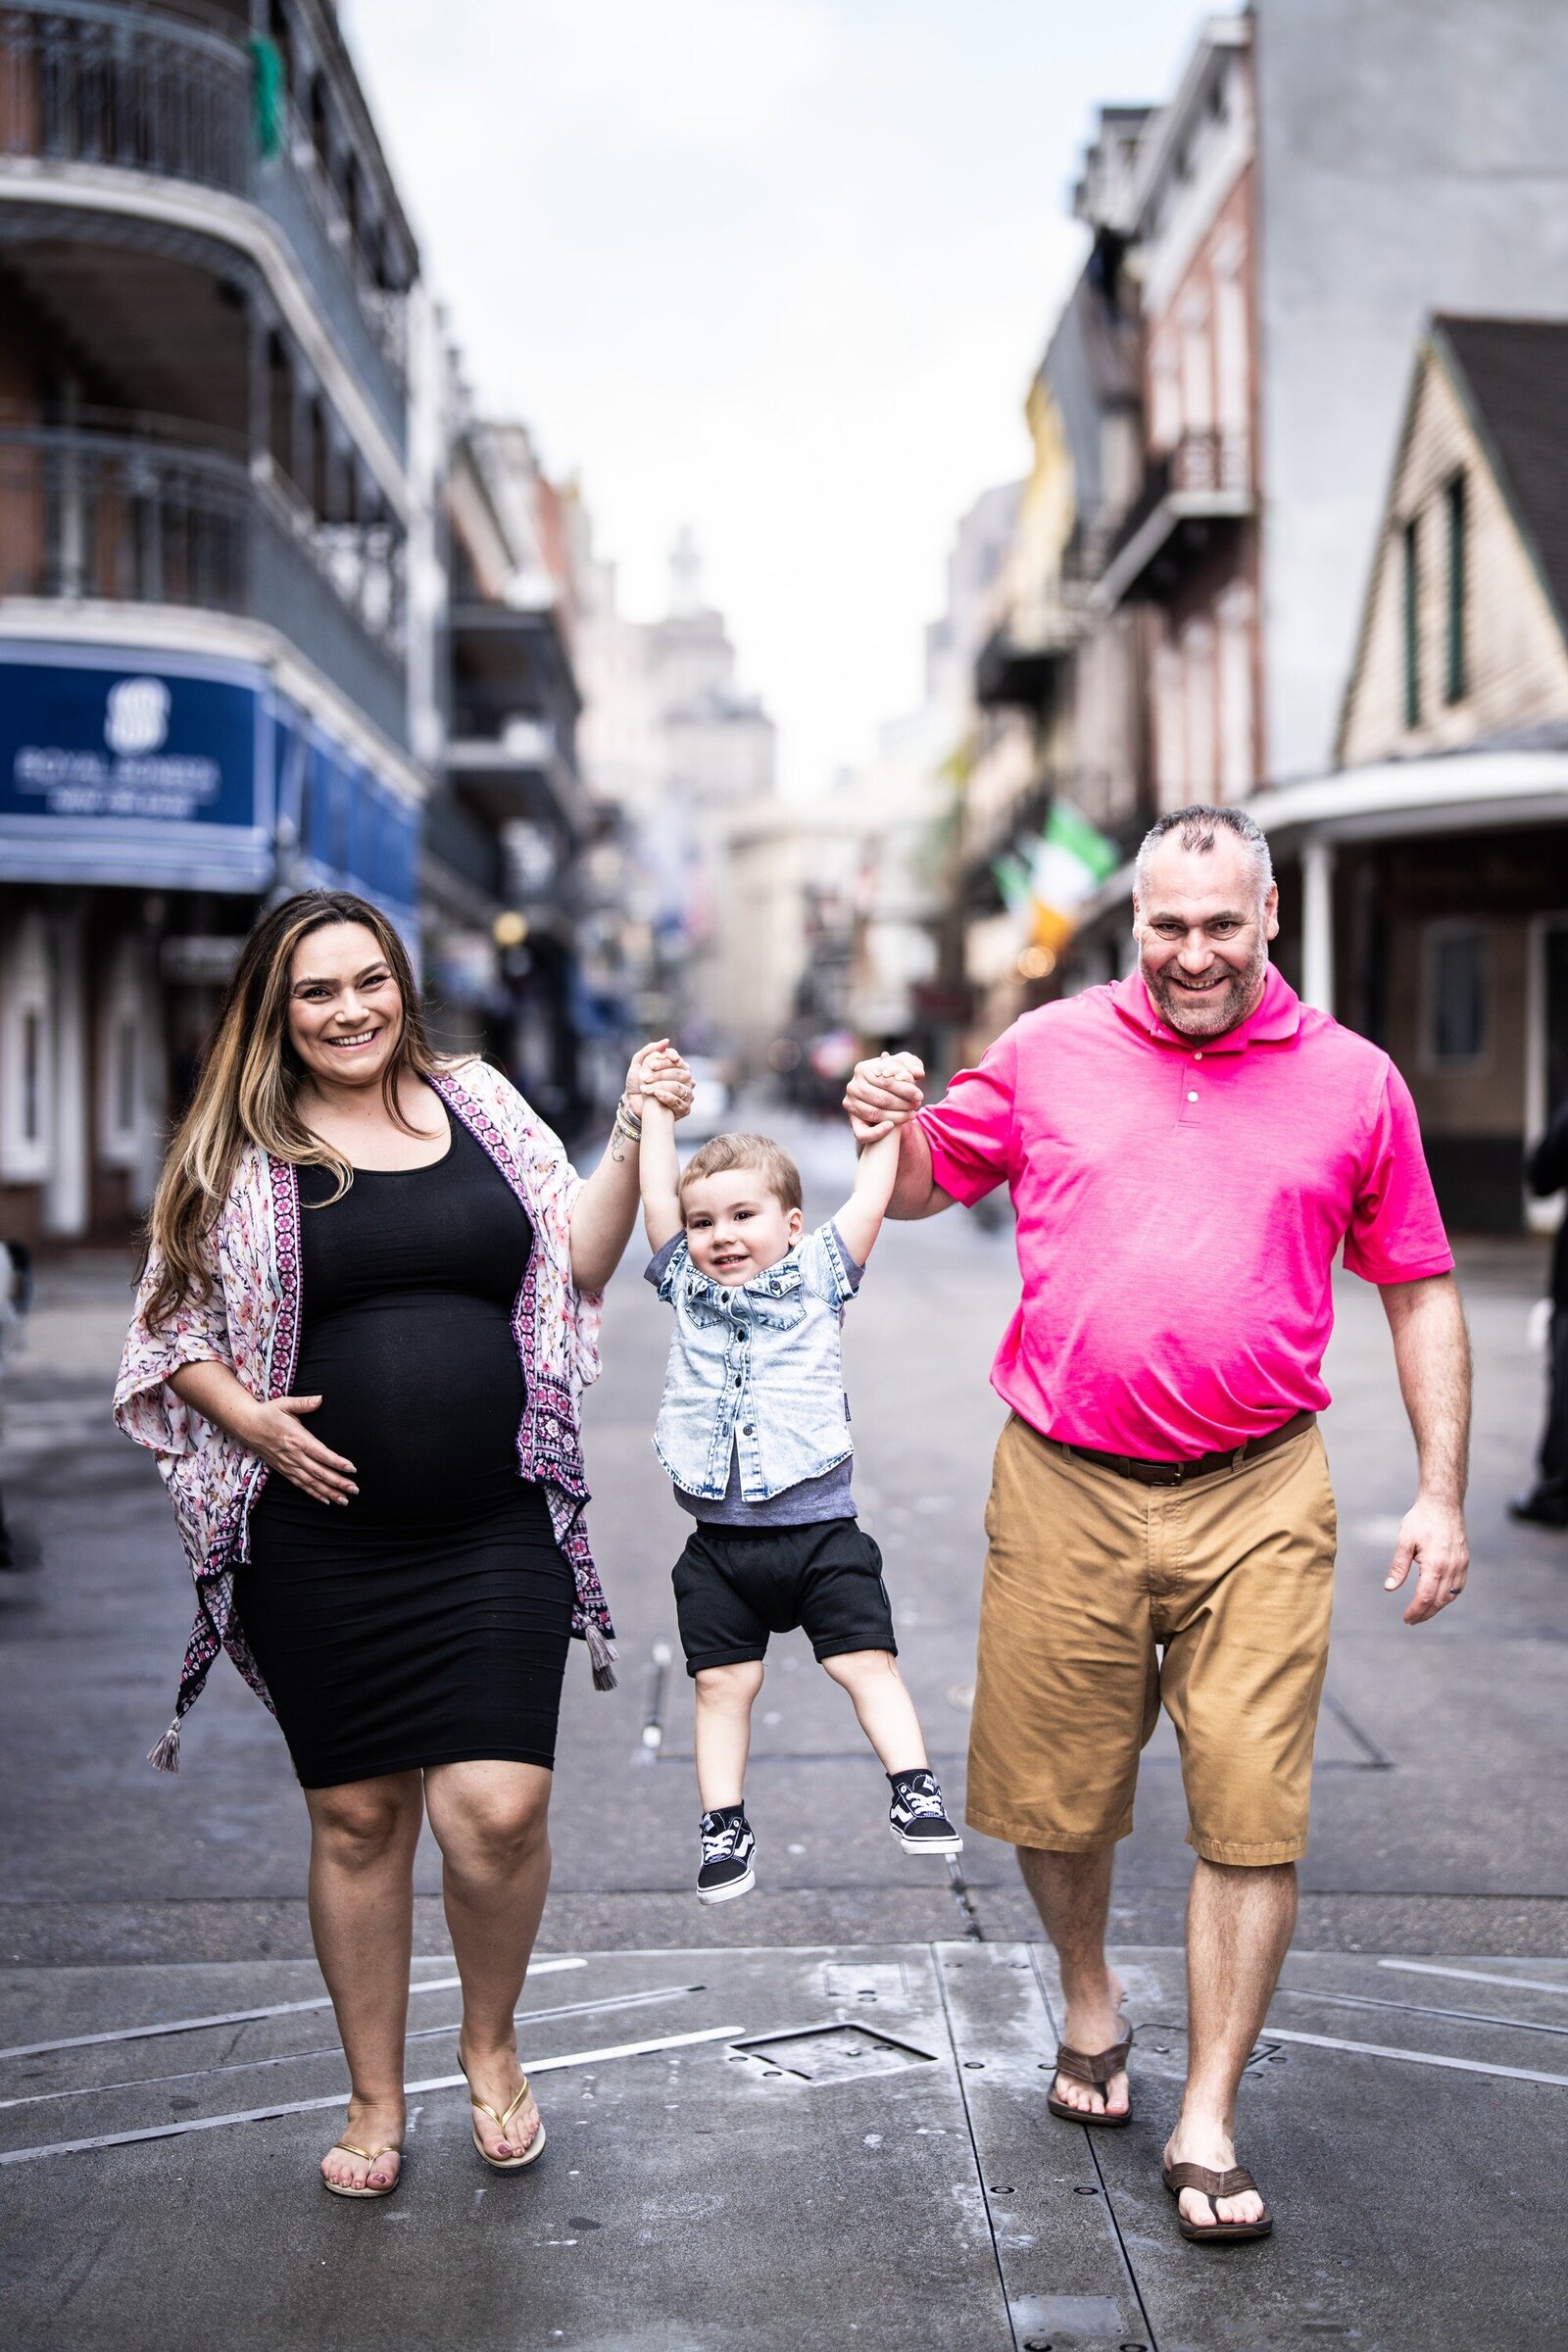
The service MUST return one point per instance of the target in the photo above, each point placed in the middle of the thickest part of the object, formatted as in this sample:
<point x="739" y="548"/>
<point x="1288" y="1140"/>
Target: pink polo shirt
<point x="1179" y="1206"/>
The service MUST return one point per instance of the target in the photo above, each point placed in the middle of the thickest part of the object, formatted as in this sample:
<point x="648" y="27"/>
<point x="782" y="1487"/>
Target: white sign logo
<point x="137" y="718"/>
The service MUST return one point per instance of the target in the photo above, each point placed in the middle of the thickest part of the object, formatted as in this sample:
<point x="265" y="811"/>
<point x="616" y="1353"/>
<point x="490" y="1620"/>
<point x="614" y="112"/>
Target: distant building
<point x="784" y="950"/>
<point x="1188" y="544"/>
<point x="219" y="582"/>
<point x="508" y="826"/>
<point x="686" y="758"/>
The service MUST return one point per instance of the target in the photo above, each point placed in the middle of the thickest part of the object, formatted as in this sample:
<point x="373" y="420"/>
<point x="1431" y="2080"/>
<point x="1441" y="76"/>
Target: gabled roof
<point x="1509" y="376"/>
<point x="1512" y="377"/>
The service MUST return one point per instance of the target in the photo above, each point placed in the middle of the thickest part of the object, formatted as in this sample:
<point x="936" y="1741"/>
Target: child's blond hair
<point x="721" y="1153"/>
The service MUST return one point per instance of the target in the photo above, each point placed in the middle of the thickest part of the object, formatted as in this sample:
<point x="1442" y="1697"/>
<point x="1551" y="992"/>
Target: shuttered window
<point x="1454" y="677"/>
<point x="1412" y="624"/>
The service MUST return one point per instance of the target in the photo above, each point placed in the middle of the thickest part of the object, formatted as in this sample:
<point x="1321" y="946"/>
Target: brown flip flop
<point x="1096" y="2069"/>
<point x="1178" y="2176"/>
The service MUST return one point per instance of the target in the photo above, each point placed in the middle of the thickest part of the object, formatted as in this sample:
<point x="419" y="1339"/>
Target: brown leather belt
<point x="1175" y="1474"/>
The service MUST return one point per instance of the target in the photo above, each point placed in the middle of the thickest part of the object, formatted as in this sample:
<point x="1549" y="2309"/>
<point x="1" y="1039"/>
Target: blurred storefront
<point x="214" y="490"/>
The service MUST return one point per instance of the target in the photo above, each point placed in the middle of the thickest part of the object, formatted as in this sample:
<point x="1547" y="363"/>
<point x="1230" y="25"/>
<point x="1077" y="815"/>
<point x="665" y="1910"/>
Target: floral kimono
<point x="251" y="1322"/>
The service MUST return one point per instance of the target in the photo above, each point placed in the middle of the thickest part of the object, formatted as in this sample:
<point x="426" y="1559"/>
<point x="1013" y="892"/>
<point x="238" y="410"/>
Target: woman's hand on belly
<point x="276" y="1433"/>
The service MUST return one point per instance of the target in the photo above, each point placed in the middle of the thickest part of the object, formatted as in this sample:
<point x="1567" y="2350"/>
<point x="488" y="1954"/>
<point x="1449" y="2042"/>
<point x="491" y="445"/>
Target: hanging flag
<point x="1070" y="862"/>
<point x="1012" y="876"/>
<point x="268" y="96"/>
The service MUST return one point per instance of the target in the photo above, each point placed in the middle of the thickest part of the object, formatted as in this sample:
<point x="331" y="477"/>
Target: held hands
<point x="276" y="1432"/>
<point x="658" y="1071"/>
<point x="882" y="1094"/>
<point x="1432" y="1540"/>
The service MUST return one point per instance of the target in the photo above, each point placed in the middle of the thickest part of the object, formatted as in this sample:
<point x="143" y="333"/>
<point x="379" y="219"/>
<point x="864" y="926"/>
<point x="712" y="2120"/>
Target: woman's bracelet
<point x="628" y="1124"/>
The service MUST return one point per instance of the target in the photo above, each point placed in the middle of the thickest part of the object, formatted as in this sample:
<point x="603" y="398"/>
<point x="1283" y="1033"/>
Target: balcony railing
<point x="1199" y="462"/>
<point x="1211" y="461"/>
<point x="1204" y="477"/>
<point x="142" y="520"/>
<point x="82" y="81"/>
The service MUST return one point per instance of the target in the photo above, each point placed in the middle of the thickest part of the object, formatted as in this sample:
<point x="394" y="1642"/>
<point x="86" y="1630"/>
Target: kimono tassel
<point x="602" y="1657"/>
<point x="165" y="1757"/>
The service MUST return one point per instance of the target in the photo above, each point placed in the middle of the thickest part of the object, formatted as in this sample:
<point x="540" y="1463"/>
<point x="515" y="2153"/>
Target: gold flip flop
<point x="336" y="2188"/>
<point x="505" y="2164"/>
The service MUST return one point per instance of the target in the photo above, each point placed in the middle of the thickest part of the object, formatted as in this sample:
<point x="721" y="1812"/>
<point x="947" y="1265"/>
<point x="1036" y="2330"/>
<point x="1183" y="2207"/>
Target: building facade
<point x="1186" y="548"/>
<point x="218" y="577"/>
<point x="1272" y="241"/>
<point x="1443" y="831"/>
<point x="511" y="819"/>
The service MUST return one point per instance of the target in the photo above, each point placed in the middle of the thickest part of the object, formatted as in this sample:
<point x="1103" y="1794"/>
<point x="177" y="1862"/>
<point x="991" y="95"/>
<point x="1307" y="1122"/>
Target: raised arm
<point x="882" y="1098"/>
<point x="859" y="1220"/>
<point x="660" y="1173"/>
<point x="1432" y="1351"/>
<point x="605" y="1209"/>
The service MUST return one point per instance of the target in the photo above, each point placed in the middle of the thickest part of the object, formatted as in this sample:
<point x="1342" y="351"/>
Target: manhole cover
<point x="834" y="2053"/>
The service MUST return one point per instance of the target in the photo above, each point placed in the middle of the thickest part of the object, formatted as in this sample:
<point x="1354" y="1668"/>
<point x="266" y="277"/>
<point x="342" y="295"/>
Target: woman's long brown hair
<point x="249" y="1087"/>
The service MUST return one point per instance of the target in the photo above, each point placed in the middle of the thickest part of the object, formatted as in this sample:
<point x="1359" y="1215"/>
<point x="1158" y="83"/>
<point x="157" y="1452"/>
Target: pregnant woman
<point x="368" y="1314"/>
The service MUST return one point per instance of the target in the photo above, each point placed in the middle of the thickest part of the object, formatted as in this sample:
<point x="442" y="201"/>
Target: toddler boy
<point x="753" y="1431"/>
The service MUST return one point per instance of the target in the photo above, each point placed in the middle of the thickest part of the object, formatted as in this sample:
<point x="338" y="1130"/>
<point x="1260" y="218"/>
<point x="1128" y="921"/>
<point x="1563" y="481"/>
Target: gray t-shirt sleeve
<point x="826" y="1267"/>
<point x="664" y="1268"/>
<point x="851" y="1267"/>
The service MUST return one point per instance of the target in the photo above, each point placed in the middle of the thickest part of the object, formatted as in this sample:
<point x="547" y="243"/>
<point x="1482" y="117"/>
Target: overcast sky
<point x="778" y="268"/>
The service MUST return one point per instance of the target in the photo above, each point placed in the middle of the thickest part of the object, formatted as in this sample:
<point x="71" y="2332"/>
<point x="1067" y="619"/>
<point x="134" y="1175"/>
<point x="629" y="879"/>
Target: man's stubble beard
<point x="1243" y="994"/>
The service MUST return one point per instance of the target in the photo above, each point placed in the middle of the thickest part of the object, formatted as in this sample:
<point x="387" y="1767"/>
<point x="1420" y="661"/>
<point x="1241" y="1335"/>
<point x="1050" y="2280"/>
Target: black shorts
<point x="736" y="1585"/>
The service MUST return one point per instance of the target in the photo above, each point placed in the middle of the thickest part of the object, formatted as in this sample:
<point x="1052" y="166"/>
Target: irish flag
<point x="1065" y="867"/>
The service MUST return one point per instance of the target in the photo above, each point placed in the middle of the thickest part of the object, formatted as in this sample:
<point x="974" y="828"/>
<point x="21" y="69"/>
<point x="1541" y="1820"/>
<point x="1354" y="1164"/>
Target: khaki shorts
<point x="1103" y="1598"/>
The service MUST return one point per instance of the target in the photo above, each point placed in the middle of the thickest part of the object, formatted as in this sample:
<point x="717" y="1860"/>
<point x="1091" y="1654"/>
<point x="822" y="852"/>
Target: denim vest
<point x="755" y="1371"/>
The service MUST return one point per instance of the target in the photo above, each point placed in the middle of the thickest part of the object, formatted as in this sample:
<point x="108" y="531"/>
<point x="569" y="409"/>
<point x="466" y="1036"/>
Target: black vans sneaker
<point x="727" y="1849"/>
<point x="918" y="1818"/>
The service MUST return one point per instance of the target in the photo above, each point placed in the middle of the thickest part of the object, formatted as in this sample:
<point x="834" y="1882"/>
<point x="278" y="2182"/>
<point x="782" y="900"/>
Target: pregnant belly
<point x="423" y="1395"/>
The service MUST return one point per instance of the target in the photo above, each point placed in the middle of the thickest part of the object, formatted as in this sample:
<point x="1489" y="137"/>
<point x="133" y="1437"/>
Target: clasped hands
<point x="882" y="1094"/>
<point x="662" y="1071"/>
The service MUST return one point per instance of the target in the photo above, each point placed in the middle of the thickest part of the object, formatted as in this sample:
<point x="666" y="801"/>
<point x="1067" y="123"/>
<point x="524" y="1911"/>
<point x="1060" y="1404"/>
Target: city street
<point x="815" y="2116"/>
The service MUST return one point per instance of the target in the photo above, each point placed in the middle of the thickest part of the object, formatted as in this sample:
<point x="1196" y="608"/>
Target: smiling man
<point x="1186" y="1150"/>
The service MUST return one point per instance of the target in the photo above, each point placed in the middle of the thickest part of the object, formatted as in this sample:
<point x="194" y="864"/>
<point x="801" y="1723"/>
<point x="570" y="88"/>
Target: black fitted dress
<point x="427" y="1620"/>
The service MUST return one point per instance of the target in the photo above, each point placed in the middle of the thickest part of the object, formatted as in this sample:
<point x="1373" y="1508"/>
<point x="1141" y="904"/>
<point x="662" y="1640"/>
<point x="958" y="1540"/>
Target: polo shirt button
<point x="1193" y="1096"/>
<point x="1197" y="1057"/>
<point x="748" y="1429"/>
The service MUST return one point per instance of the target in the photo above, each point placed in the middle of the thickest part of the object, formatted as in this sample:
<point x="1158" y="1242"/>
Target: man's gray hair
<point x="1198" y="828"/>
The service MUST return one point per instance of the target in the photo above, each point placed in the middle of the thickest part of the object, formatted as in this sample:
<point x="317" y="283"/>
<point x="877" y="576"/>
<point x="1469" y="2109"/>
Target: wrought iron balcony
<point x="130" y="91"/>
<point x="146" y="519"/>
<point x="1206" y="479"/>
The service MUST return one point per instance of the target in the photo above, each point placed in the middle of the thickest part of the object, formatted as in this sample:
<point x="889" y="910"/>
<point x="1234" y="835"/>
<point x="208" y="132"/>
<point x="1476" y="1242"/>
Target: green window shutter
<point x="1454" y="682"/>
<point x="1412" y="624"/>
<point x="268" y="96"/>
